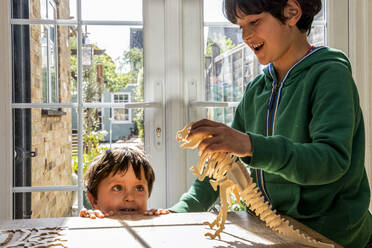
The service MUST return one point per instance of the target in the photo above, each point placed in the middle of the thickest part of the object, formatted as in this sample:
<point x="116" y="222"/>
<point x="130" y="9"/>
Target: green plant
<point x="139" y="112"/>
<point x="93" y="140"/>
<point x="237" y="205"/>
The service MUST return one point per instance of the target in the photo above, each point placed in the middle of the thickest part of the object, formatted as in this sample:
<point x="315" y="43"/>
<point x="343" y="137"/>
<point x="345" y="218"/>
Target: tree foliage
<point x="223" y="43"/>
<point x="127" y="70"/>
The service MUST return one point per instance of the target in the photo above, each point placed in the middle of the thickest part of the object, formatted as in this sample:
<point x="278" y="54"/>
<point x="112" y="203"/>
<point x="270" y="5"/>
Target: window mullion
<point x="45" y="188"/>
<point x="80" y="105"/>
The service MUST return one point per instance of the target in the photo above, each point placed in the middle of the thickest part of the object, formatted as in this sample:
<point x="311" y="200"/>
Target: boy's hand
<point x="222" y="138"/>
<point x="93" y="214"/>
<point x="156" y="212"/>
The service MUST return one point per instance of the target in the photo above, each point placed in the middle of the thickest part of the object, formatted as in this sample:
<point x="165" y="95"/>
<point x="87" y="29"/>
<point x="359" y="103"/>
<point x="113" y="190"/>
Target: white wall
<point x="360" y="53"/>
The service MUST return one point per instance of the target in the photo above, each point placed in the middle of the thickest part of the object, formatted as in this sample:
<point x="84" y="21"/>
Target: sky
<point x="115" y="39"/>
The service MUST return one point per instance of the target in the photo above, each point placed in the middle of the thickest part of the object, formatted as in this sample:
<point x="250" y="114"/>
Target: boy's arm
<point x="199" y="198"/>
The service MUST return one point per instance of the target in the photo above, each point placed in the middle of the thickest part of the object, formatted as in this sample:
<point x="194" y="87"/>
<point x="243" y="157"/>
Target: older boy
<point x="119" y="182"/>
<point x="299" y="126"/>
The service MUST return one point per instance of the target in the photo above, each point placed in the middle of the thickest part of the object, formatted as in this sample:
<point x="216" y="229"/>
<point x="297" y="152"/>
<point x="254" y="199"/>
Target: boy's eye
<point x="140" y="188"/>
<point x="117" y="188"/>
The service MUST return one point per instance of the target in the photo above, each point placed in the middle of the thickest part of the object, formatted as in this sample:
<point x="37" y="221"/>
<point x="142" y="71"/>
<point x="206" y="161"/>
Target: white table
<point x="172" y="230"/>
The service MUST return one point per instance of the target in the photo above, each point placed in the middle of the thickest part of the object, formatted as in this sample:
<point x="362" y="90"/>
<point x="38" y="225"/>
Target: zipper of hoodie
<point x="260" y="174"/>
<point x="271" y="115"/>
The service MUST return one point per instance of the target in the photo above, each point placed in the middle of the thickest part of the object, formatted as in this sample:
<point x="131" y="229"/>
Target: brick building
<point x="47" y="62"/>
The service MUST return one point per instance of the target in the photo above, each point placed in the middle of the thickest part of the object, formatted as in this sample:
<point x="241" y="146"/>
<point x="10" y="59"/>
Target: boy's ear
<point x="292" y="12"/>
<point x="93" y="200"/>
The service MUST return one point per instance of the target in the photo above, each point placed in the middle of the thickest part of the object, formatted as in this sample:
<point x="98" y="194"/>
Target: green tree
<point x="92" y="86"/>
<point x="139" y="113"/>
<point x="224" y="44"/>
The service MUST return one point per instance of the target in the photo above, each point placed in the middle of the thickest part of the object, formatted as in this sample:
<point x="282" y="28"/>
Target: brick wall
<point x="51" y="135"/>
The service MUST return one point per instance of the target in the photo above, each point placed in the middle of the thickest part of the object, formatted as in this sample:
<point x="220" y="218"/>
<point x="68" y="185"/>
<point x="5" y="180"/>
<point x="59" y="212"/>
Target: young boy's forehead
<point x="120" y="175"/>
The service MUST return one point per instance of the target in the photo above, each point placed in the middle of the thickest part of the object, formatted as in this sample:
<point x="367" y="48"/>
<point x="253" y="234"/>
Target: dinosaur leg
<point x="221" y="218"/>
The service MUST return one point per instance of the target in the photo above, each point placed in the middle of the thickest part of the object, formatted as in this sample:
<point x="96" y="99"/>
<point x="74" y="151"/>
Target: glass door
<point x="82" y="83"/>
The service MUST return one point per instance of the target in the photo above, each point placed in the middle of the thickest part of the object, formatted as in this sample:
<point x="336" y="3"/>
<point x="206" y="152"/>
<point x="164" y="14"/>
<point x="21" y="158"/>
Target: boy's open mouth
<point x="257" y="46"/>
<point x="126" y="211"/>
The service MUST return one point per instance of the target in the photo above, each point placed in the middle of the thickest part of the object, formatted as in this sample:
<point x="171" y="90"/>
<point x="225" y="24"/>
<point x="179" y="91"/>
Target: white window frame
<point x="6" y="147"/>
<point x="113" y="109"/>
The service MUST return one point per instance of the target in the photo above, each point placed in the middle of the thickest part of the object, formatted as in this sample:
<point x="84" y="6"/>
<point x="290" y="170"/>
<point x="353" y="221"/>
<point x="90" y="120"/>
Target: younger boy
<point x="119" y="182"/>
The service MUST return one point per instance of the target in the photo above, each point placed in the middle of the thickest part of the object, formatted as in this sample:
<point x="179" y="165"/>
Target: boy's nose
<point x="129" y="196"/>
<point x="246" y="34"/>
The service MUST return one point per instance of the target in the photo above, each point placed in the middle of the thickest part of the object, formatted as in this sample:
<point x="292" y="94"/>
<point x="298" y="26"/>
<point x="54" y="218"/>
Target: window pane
<point x="43" y="151"/>
<point x="101" y="130"/>
<point x="117" y="63"/>
<point x="123" y="10"/>
<point x="44" y="9"/>
<point x="317" y="35"/>
<point x="44" y="204"/>
<point x="42" y="67"/>
<point x="45" y="70"/>
<point x="51" y="10"/>
<point x="44" y="62"/>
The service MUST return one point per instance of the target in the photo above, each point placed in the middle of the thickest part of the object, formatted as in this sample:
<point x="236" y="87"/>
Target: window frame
<point x="113" y="109"/>
<point x="6" y="148"/>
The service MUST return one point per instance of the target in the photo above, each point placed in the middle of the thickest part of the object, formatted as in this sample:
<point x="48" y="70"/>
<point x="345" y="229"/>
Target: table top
<point x="173" y="230"/>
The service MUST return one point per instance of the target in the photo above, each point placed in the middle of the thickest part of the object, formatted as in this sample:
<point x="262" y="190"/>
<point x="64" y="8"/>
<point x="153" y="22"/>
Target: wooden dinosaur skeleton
<point x="232" y="177"/>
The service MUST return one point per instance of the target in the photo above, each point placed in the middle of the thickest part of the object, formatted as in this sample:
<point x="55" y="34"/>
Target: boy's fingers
<point x="157" y="212"/>
<point x="150" y="212"/>
<point x="99" y="214"/>
<point x="164" y="211"/>
<point x="91" y="214"/>
<point x="83" y="212"/>
<point x="109" y="213"/>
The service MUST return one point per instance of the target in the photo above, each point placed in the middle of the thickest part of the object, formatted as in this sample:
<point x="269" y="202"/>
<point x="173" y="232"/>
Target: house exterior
<point x="119" y="122"/>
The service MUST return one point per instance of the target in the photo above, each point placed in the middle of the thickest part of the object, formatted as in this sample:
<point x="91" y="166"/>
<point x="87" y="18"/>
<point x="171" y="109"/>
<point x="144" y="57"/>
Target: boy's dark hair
<point x="114" y="161"/>
<point x="275" y="7"/>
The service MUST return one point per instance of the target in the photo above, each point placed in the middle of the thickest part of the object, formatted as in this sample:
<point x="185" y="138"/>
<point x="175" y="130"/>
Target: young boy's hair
<point x="275" y="7"/>
<point x="114" y="161"/>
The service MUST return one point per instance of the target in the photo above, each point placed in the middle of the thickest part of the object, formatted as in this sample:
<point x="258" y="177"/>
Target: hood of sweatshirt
<point x="317" y="55"/>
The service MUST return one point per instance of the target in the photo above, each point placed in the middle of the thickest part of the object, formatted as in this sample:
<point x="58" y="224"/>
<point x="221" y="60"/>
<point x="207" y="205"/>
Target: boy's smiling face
<point x="272" y="40"/>
<point x="122" y="194"/>
<point x="267" y="36"/>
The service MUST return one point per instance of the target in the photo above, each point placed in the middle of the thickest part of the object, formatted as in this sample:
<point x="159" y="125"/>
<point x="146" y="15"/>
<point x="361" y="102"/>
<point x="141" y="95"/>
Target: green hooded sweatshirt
<point x="308" y="145"/>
